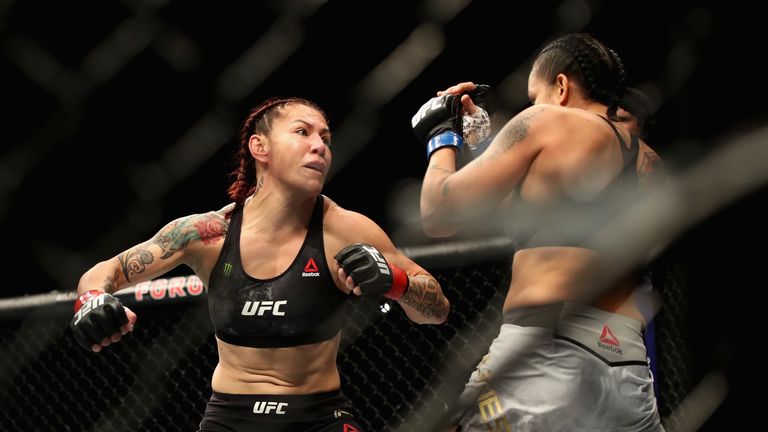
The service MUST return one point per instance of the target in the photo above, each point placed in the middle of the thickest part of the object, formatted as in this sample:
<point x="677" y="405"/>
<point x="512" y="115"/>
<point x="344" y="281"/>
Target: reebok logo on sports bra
<point x="311" y="270"/>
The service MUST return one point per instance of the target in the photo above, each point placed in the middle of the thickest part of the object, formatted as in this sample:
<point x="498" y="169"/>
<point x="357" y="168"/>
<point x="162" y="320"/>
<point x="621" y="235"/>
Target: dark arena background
<point x="120" y="117"/>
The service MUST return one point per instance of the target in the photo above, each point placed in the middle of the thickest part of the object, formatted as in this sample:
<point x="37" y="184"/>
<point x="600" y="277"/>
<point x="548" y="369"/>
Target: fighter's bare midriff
<point x="546" y="275"/>
<point x="301" y="369"/>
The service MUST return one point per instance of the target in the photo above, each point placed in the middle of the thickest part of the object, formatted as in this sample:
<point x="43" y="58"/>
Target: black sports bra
<point x="300" y="306"/>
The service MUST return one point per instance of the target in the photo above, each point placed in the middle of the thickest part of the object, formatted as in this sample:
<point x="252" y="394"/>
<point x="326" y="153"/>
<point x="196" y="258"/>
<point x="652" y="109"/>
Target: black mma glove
<point x="371" y="272"/>
<point x="438" y="123"/>
<point x="481" y="97"/>
<point x="98" y="315"/>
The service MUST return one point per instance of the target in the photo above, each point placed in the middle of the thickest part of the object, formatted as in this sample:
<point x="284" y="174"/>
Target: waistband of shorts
<point x="545" y="316"/>
<point x="247" y="400"/>
<point x="254" y="409"/>
<point x="615" y="339"/>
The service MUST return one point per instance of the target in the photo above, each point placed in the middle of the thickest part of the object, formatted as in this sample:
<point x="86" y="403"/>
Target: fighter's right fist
<point x="438" y="123"/>
<point x="99" y="319"/>
<point x="371" y="272"/>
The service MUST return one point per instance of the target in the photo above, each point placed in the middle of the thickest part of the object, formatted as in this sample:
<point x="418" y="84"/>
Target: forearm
<point x="166" y="250"/>
<point x="362" y="268"/>
<point x="436" y="201"/>
<point x="424" y="301"/>
<point x="104" y="276"/>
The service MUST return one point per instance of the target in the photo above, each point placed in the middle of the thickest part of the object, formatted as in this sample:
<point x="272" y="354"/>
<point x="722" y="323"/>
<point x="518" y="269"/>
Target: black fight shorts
<point x="317" y="412"/>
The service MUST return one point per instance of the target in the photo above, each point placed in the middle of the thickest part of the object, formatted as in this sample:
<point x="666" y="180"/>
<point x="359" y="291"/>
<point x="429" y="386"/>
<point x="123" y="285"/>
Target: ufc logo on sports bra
<point x="260" y="308"/>
<point x="267" y="407"/>
<point x="383" y="268"/>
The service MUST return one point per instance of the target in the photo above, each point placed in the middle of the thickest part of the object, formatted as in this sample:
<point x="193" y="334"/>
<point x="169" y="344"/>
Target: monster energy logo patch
<point x="227" y="269"/>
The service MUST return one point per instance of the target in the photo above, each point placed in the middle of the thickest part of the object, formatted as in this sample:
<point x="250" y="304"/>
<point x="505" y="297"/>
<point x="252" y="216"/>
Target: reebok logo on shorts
<point x="311" y="270"/>
<point x="609" y="342"/>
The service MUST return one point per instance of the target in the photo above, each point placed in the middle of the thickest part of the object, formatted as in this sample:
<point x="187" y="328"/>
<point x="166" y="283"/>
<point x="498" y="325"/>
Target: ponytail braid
<point x="617" y="95"/>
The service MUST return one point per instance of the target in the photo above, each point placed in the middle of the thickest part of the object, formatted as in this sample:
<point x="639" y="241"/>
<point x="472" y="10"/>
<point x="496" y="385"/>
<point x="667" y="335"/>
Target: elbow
<point x="443" y="317"/>
<point x="438" y="231"/>
<point x="436" y="226"/>
<point x="438" y="213"/>
<point x="88" y="279"/>
<point x="438" y="221"/>
<point x="103" y="276"/>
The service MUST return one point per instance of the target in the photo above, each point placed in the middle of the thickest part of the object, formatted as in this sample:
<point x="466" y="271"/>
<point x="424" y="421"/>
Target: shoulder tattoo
<point x="650" y="165"/>
<point x="208" y="228"/>
<point x="516" y="129"/>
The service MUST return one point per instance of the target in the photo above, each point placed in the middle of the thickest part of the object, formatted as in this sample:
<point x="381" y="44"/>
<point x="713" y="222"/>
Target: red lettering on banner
<point x="176" y="287"/>
<point x="195" y="286"/>
<point x="140" y="290"/>
<point x="158" y="289"/>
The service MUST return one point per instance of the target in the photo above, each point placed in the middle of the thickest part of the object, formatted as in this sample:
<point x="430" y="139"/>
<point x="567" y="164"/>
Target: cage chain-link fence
<point x="158" y="378"/>
<point x="673" y="340"/>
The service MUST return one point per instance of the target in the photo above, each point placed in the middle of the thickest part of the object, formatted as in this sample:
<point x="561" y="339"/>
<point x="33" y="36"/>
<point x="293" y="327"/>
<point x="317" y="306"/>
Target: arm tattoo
<point x="424" y="295"/>
<point x="208" y="228"/>
<point x="651" y="167"/>
<point x="173" y="237"/>
<point x="446" y="173"/>
<point x="438" y="168"/>
<point x="134" y="260"/>
<point x="517" y="128"/>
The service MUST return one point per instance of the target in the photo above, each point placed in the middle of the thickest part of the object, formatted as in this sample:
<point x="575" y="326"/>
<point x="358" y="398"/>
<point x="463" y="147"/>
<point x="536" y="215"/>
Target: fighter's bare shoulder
<point x="226" y="209"/>
<point x="348" y="226"/>
<point x="206" y="228"/>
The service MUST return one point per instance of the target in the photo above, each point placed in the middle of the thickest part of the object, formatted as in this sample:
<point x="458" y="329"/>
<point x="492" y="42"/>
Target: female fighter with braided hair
<point x="276" y="292"/>
<point x="565" y="359"/>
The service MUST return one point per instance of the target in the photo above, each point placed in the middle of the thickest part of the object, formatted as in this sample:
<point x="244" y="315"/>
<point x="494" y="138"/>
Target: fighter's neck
<point x="276" y="210"/>
<point x="593" y="107"/>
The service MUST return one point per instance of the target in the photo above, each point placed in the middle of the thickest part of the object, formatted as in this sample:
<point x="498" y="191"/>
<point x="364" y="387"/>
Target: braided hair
<point x="596" y="68"/>
<point x="259" y="121"/>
